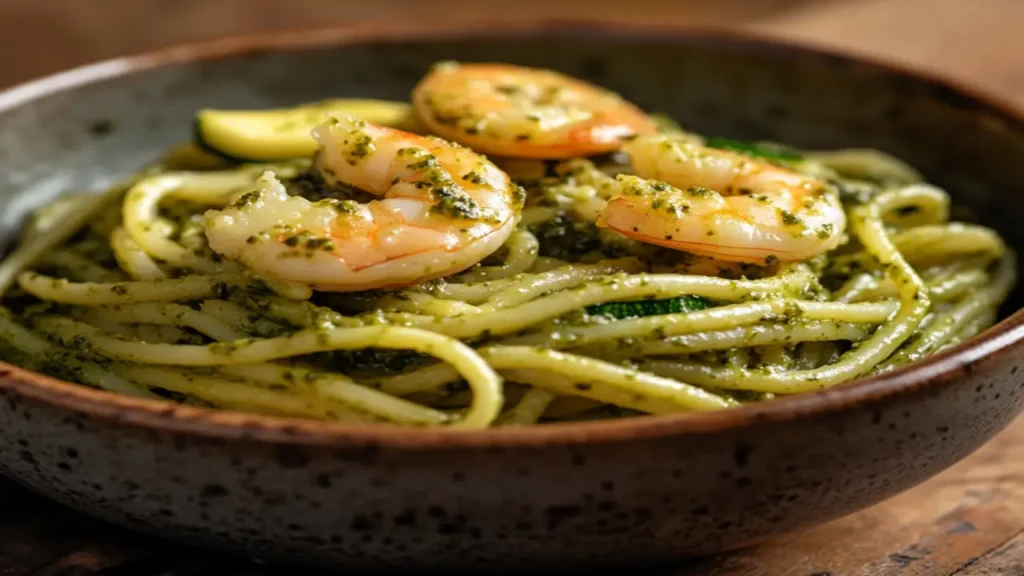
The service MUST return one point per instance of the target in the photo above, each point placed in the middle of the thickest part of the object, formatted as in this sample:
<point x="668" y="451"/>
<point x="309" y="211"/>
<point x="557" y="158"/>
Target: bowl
<point x="623" y="492"/>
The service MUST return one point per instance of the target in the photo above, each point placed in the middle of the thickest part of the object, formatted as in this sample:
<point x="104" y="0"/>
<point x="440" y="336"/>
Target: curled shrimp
<point x="524" y="112"/>
<point x="721" y="204"/>
<point x="443" y="208"/>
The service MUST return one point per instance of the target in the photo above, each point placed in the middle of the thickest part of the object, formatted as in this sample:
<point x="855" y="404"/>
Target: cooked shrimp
<point x="442" y="209"/>
<point x="722" y="204"/>
<point x="524" y="112"/>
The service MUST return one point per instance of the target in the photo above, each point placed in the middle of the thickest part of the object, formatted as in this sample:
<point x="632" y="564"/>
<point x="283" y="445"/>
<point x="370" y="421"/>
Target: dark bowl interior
<point x="532" y="498"/>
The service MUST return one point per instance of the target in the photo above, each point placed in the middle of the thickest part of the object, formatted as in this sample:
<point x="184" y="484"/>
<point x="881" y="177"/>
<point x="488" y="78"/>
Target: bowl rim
<point x="167" y="416"/>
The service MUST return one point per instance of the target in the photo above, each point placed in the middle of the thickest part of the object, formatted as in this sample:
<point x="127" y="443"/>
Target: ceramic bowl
<point x="608" y="493"/>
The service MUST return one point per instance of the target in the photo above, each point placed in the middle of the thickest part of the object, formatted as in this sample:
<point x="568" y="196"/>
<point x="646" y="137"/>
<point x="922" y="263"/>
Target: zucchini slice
<point x="189" y="156"/>
<point x="284" y="133"/>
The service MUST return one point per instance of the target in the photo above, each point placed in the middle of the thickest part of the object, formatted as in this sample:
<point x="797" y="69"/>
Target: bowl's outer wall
<point x="498" y="506"/>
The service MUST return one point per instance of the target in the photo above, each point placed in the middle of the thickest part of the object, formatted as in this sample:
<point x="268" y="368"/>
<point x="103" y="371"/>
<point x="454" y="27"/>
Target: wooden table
<point x="969" y="521"/>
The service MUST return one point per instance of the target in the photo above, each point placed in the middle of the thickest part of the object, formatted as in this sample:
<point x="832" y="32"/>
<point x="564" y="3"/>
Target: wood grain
<point x="1006" y="560"/>
<point x="934" y="530"/>
<point x="968" y="521"/>
<point x="979" y="39"/>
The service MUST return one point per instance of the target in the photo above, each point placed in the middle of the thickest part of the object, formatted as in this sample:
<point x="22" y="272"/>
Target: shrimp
<point x="443" y="208"/>
<point x="721" y="204"/>
<point x="525" y="112"/>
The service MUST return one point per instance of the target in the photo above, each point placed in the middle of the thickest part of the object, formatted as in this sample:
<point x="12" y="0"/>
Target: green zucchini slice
<point x="284" y="133"/>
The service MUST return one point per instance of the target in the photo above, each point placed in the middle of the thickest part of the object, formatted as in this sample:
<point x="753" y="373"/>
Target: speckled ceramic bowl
<point x="638" y="490"/>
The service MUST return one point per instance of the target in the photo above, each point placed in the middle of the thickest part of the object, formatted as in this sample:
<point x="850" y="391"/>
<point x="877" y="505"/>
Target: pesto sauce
<point x="565" y="238"/>
<point x="376" y="361"/>
<point x="311" y="186"/>
<point x="454" y="203"/>
<point x="640" y="308"/>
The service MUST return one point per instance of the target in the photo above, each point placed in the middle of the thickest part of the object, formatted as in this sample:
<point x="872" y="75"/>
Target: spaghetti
<point x="567" y="321"/>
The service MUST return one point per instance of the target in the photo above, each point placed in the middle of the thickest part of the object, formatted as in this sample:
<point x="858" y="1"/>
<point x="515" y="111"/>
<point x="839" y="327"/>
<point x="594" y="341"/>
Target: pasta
<point x="573" y="315"/>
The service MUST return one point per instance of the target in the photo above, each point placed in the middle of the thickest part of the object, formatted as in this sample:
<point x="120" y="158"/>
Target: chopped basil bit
<point x="473" y="177"/>
<point x="789" y="219"/>
<point x="453" y="202"/>
<point x="755" y="150"/>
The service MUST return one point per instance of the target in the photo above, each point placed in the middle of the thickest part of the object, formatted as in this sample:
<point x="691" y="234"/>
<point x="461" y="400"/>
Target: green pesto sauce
<point x="854" y="192"/>
<point x="640" y="308"/>
<point x="518" y="196"/>
<point x="474" y="178"/>
<point x="663" y="196"/>
<point x="247" y="200"/>
<point x="454" y="203"/>
<point x="565" y="238"/>
<point x="790" y="219"/>
<point x="343" y="206"/>
<point x="358" y="146"/>
<point x="371" y="361"/>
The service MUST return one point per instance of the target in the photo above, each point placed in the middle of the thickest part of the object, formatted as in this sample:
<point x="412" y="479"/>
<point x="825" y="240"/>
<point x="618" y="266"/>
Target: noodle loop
<point x="832" y="265"/>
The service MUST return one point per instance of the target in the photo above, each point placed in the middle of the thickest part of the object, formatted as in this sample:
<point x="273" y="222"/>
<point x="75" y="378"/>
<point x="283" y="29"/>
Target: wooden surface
<point x="969" y="521"/>
<point x="976" y="39"/>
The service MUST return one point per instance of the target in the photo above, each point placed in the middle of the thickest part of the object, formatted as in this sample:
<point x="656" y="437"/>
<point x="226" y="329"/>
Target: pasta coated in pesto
<point x="412" y="281"/>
